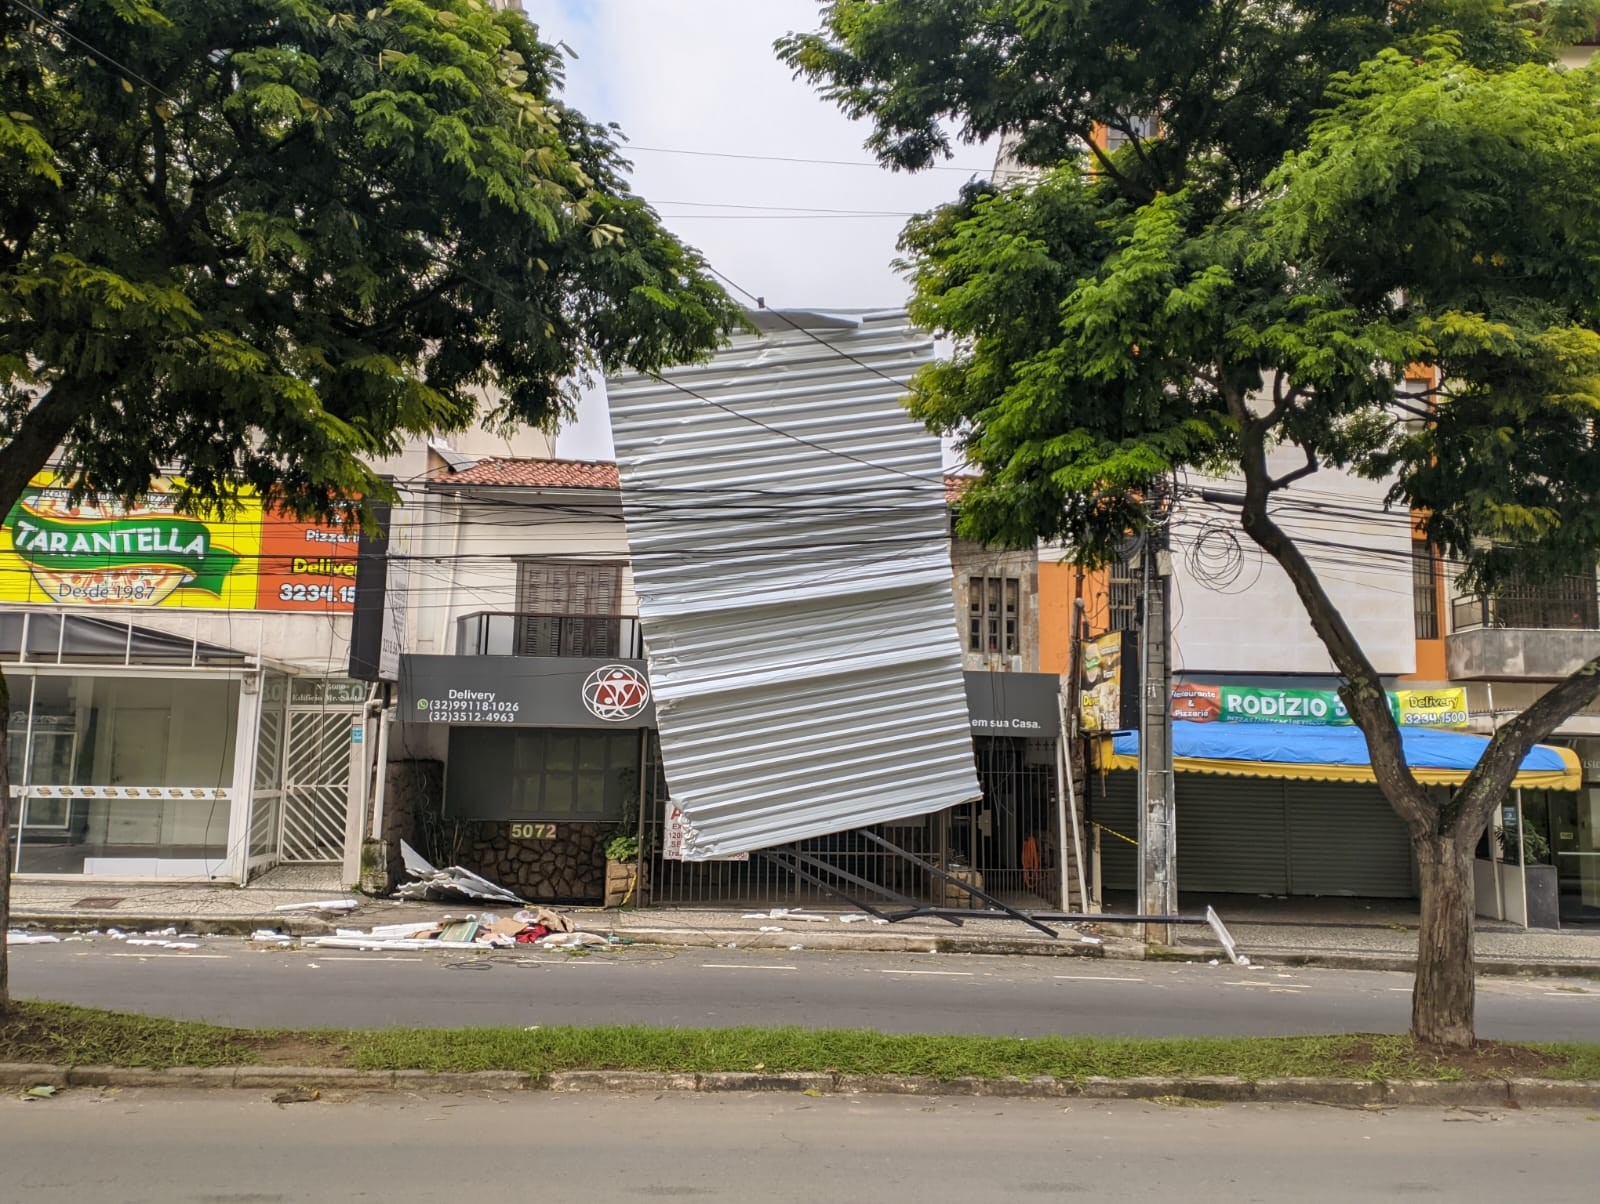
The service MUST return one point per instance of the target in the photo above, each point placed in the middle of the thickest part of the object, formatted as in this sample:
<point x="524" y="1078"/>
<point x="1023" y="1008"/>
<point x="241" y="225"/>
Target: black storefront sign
<point x="1014" y="704"/>
<point x="558" y="691"/>
<point x="526" y="691"/>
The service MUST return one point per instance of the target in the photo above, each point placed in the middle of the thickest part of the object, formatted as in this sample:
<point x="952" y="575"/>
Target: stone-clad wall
<point x="569" y="869"/>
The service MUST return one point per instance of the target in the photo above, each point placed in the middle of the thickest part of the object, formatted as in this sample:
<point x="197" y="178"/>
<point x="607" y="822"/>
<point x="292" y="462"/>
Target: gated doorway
<point x="302" y="780"/>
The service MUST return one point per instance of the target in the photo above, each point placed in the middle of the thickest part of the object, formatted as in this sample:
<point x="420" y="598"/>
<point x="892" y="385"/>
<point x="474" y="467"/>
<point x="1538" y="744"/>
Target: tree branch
<point x="1289" y="478"/>
<point x="41" y="431"/>
<point x="1363" y="690"/>
<point x="1474" y="802"/>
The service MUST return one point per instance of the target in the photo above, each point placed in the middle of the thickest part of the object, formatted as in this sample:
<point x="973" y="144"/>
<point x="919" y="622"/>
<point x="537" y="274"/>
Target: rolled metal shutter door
<point x="1114" y="802"/>
<point x="1344" y="839"/>
<point x="1232" y="836"/>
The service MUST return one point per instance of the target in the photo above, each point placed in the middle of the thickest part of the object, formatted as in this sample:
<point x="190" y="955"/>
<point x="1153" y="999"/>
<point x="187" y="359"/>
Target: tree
<point x="1334" y="190"/>
<point x="261" y="242"/>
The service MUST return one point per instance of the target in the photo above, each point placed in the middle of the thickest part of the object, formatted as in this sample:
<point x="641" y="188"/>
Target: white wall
<point x="465" y="547"/>
<point x="1257" y="624"/>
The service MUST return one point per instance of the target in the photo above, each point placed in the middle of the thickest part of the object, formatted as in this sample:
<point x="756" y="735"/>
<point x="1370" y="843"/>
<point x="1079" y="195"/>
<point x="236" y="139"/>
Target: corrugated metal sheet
<point x="790" y="547"/>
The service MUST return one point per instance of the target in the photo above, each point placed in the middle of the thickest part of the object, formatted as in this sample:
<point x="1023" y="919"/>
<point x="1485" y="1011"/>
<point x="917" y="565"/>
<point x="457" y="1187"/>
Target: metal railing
<point x="1568" y="603"/>
<point x="983" y="843"/>
<point x="525" y="633"/>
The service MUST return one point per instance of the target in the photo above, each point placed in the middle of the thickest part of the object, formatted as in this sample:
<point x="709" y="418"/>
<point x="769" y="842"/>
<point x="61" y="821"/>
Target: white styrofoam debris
<point x="573" y="940"/>
<point x="853" y="917"/>
<point x="391" y="932"/>
<point x="31" y="938"/>
<point x="769" y="928"/>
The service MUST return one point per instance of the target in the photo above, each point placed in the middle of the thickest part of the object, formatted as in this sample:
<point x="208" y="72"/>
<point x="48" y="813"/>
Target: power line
<point x="789" y="209"/>
<point x="669" y="150"/>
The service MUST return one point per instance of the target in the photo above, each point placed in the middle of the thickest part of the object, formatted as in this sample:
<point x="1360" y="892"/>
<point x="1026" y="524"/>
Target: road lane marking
<point x="1095" y="978"/>
<point x="944" y="973"/>
<point x="1271" y="983"/>
<point x="731" y="966"/>
<point x="374" y="959"/>
<point x="194" y="957"/>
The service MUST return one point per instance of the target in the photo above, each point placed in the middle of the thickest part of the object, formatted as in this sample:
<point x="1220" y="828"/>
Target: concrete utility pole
<point x="1158" y="878"/>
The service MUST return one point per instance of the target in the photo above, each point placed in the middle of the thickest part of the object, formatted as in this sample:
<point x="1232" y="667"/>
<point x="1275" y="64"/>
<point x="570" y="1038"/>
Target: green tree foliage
<point x="265" y="240"/>
<point x="261" y="242"/>
<point x="1330" y="192"/>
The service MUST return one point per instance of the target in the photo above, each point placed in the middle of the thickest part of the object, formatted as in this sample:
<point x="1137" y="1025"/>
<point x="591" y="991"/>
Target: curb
<point x="1491" y="967"/>
<point x="294" y="924"/>
<point x="1503" y="967"/>
<point x="867" y="941"/>
<point x="1344" y="1093"/>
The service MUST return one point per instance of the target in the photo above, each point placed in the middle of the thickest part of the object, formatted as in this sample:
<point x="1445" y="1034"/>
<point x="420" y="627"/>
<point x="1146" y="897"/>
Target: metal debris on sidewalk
<point x="452" y="882"/>
<point x="541" y="928"/>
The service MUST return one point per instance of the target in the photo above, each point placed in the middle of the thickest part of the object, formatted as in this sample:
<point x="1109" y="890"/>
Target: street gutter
<point x="1344" y="1093"/>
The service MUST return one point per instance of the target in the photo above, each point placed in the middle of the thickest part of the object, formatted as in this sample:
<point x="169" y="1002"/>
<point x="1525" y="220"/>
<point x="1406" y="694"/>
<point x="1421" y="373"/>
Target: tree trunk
<point x="5" y="840"/>
<point x="1442" y="1000"/>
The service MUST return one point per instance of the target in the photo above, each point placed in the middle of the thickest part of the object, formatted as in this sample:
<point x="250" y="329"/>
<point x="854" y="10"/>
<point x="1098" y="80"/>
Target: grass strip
<point x="67" y="1035"/>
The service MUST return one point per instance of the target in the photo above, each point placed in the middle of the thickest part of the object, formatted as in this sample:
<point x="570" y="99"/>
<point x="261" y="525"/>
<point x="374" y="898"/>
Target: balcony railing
<point x="1567" y="603"/>
<point x="522" y="633"/>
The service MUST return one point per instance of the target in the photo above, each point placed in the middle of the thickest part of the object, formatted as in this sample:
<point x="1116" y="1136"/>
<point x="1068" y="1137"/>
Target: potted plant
<point x="622" y="870"/>
<point x="1532" y="852"/>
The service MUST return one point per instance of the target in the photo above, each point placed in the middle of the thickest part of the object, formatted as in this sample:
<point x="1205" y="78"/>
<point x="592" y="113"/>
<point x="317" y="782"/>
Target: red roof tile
<point x="955" y="486"/>
<point x="535" y="474"/>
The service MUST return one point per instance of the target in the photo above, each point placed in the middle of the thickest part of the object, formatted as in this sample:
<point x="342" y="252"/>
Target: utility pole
<point x="1158" y="879"/>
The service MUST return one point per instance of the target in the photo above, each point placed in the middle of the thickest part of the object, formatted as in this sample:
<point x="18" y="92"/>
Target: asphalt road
<point x="168" y="1147"/>
<point x="228" y="981"/>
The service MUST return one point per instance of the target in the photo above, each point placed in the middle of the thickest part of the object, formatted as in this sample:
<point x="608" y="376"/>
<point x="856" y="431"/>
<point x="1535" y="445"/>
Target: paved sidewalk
<point x="1328" y="944"/>
<point x="1392" y="945"/>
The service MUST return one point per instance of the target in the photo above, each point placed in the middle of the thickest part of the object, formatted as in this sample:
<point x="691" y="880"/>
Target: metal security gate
<point x="1268" y="837"/>
<point x="266" y="793"/>
<point x="316" y="786"/>
<point x="316" y="770"/>
<point x="1233" y="835"/>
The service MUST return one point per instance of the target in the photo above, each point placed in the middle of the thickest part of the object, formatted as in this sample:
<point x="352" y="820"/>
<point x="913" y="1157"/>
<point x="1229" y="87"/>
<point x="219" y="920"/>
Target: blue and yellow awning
<point x="1332" y="754"/>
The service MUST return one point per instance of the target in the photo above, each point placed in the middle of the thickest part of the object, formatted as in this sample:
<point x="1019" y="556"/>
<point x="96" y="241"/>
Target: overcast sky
<point x="700" y="75"/>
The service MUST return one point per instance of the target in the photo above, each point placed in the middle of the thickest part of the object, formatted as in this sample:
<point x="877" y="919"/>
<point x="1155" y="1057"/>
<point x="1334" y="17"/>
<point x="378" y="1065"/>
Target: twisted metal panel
<point x="790" y="545"/>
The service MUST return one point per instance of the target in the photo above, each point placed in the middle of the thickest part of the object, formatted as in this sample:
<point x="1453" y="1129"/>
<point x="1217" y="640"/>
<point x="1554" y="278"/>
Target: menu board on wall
<point x="102" y="552"/>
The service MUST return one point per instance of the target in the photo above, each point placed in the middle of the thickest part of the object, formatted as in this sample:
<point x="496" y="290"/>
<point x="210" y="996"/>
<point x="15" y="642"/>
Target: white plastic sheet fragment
<point x="320" y="905"/>
<point x="789" y="538"/>
<point x="31" y="938"/>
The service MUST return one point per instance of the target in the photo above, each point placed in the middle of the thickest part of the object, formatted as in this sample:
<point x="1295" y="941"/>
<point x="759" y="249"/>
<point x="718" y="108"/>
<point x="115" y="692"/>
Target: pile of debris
<point x="543" y="929"/>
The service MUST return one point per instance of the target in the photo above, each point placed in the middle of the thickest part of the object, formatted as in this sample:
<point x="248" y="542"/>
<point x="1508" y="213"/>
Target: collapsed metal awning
<point x="790" y="547"/>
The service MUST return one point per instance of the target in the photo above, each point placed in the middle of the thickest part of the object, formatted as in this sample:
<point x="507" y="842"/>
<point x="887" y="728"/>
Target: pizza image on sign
<point x="100" y="552"/>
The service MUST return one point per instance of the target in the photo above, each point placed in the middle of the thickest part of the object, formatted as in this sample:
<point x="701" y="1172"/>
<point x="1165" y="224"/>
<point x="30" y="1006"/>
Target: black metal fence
<point x="1006" y="842"/>
<point x="1567" y="602"/>
<point x="525" y="633"/>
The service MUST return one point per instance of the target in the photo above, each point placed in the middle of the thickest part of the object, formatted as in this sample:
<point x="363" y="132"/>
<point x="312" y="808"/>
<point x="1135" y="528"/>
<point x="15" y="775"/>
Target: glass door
<point x="1575" y="849"/>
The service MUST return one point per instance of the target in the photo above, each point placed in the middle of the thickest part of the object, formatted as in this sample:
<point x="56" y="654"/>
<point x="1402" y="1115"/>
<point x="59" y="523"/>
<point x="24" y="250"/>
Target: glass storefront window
<point x="128" y="744"/>
<point x="556" y="774"/>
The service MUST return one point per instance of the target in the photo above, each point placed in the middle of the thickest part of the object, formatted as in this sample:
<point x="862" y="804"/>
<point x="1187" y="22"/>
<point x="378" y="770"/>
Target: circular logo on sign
<point x="615" y="693"/>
